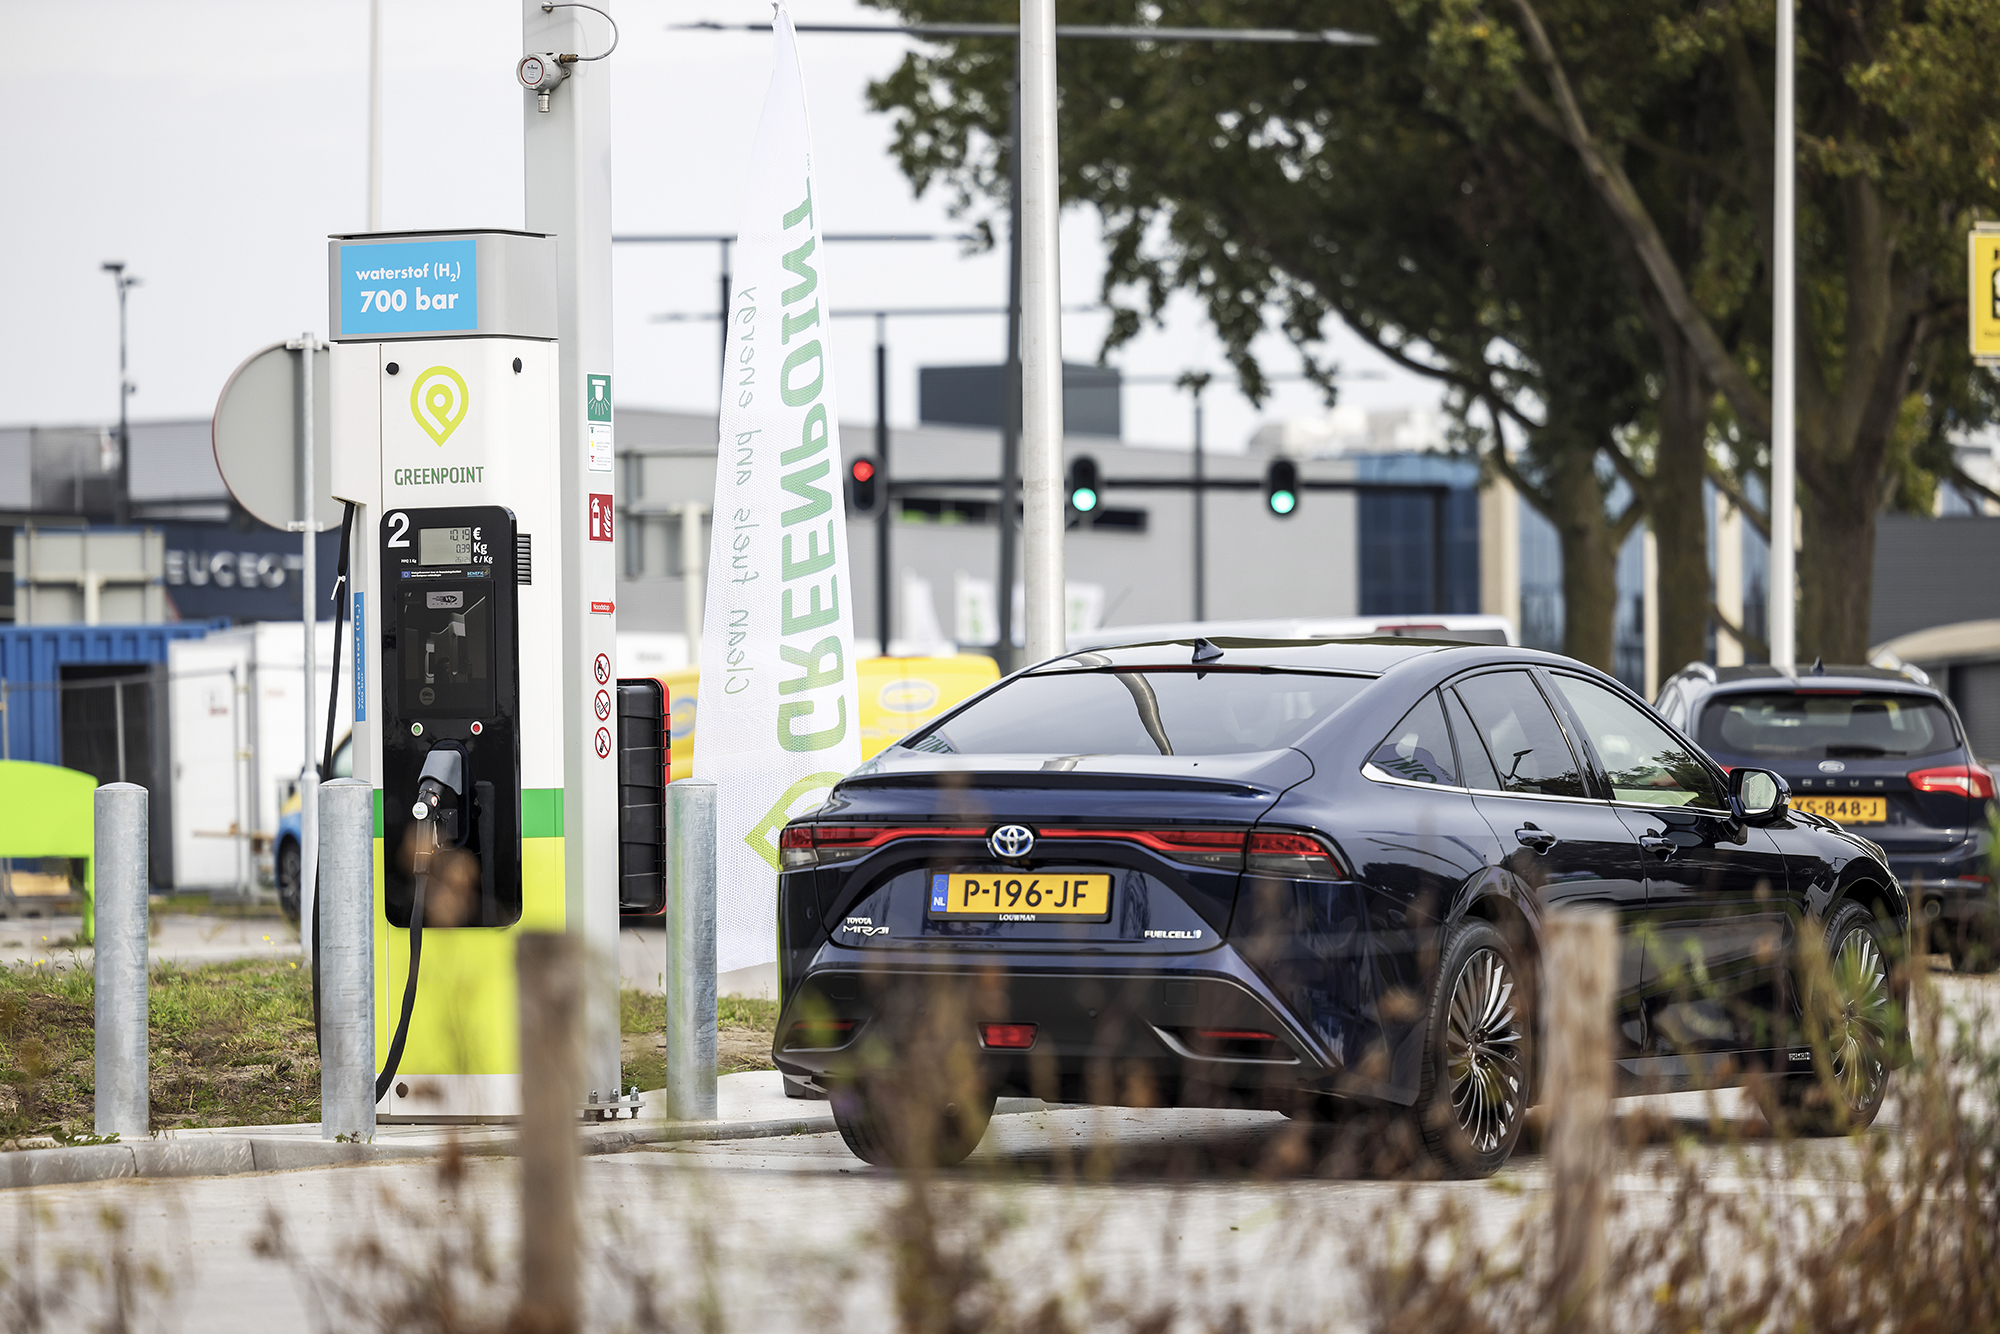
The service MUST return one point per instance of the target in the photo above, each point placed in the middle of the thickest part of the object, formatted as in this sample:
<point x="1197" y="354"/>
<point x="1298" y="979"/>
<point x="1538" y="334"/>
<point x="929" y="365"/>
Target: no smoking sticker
<point x="603" y="743"/>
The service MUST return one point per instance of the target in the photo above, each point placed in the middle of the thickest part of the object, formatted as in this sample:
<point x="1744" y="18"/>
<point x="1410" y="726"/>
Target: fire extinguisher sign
<point x="600" y="518"/>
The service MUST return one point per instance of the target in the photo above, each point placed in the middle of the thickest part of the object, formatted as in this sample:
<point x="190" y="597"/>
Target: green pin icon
<point x="438" y="401"/>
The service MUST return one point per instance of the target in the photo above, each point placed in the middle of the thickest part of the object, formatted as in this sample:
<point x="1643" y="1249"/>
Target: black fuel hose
<point x="395" y="1057"/>
<point x="326" y="757"/>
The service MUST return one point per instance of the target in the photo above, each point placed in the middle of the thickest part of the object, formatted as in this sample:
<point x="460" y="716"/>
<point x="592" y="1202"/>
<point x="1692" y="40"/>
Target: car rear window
<point x="1789" y="725"/>
<point x="1155" y="711"/>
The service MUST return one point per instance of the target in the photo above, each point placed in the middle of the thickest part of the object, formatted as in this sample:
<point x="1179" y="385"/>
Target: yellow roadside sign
<point x="1983" y="292"/>
<point x="898" y="695"/>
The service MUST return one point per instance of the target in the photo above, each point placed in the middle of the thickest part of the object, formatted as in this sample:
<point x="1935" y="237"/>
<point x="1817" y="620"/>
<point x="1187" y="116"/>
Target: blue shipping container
<point x="31" y="661"/>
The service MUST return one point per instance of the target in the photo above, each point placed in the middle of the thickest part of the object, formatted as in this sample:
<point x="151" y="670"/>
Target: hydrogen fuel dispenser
<point x="481" y="578"/>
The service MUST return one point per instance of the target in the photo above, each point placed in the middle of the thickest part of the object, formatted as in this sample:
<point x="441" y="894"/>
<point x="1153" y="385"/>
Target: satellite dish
<point x="257" y="440"/>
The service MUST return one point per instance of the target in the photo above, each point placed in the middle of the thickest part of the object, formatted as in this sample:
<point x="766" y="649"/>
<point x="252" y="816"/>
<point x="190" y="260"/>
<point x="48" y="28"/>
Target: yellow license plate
<point x="1847" y="810"/>
<point x="1021" y="898"/>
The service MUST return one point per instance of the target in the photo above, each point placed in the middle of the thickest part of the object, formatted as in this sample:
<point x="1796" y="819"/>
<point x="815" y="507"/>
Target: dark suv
<point x="1882" y="753"/>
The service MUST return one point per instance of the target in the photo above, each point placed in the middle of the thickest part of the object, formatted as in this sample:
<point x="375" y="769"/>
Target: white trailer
<point x="236" y="733"/>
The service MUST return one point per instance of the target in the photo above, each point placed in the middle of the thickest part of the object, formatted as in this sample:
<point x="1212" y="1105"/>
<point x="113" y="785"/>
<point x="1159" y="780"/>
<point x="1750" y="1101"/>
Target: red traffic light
<point x="863" y="470"/>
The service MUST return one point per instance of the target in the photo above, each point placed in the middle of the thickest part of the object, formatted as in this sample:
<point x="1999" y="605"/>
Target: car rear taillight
<point x="1008" y="1037"/>
<point x="1968" y="780"/>
<point x="1295" y="856"/>
<point x="1206" y="847"/>
<point x="805" y="845"/>
<point x="795" y="847"/>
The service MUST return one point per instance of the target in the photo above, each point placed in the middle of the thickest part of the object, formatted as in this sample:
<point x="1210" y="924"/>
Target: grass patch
<point x="743" y="1030"/>
<point x="231" y="1044"/>
<point x="202" y="904"/>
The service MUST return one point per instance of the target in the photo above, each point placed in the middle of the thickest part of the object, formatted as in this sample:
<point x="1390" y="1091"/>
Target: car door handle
<point x="1658" y="843"/>
<point x="1541" y="840"/>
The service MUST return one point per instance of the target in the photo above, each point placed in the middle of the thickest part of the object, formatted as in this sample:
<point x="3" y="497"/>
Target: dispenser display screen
<point x="444" y="546"/>
<point x="445" y="642"/>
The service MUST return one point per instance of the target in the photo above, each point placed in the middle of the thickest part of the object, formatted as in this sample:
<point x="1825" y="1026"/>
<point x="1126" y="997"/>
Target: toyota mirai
<point x="1313" y="877"/>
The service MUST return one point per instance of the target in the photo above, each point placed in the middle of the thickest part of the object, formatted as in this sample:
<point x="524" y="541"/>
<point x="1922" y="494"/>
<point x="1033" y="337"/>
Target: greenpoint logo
<point x="438" y="402"/>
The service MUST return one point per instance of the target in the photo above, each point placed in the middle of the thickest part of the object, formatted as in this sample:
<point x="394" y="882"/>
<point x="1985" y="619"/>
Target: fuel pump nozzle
<point x="440" y="794"/>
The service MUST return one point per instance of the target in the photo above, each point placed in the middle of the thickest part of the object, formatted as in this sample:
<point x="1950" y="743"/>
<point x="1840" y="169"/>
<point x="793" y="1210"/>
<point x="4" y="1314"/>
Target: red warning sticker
<point x="600" y="517"/>
<point x="602" y="608"/>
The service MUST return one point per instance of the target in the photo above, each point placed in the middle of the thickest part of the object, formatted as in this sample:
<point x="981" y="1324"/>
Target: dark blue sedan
<point x="1310" y="877"/>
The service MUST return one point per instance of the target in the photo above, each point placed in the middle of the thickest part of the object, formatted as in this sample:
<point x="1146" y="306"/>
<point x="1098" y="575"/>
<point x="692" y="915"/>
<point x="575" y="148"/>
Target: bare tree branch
<point x="1610" y="180"/>
<point x="1751" y="643"/>
<point x="1726" y="484"/>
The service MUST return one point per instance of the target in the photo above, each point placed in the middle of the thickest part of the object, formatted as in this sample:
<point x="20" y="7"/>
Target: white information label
<point x="600" y="446"/>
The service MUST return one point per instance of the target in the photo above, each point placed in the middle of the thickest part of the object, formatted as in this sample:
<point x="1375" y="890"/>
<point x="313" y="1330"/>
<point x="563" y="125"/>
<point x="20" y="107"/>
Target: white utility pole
<point x="374" y="115"/>
<point x="1041" y="340"/>
<point x="1781" y="618"/>
<point x="567" y="174"/>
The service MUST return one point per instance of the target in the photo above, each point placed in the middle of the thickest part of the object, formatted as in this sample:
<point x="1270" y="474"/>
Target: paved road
<point x="1200" y="1210"/>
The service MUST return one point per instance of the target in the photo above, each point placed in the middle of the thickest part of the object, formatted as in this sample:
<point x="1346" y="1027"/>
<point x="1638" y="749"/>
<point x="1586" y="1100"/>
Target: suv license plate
<point x="1847" y="810"/>
<point x="1021" y="898"/>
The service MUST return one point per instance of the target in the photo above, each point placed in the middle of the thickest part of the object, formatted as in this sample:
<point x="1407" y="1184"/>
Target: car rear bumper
<point x="1949" y="886"/>
<point x="1163" y="1033"/>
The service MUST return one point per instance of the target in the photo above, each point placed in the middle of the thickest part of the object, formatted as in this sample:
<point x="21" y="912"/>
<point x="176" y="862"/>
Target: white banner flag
<point x="780" y="711"/>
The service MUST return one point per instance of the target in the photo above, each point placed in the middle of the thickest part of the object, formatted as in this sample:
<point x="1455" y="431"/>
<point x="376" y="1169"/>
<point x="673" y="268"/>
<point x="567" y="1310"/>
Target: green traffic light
<point x="1283" y="502"/>
<point x="1083" y="500"/>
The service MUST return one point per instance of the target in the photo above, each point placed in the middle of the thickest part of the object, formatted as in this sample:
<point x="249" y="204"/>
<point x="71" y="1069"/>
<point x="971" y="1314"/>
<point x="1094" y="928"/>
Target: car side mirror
<point x="1758" y="794"/>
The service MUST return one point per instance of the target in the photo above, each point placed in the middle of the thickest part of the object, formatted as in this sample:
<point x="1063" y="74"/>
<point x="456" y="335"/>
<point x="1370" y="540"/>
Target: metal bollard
<point x="691" y="814"/>
<point x="346" y="959"/>
<point x="124" y="1104"/>
<point x="1582" y="967"/>
<point x="550" y="970"/>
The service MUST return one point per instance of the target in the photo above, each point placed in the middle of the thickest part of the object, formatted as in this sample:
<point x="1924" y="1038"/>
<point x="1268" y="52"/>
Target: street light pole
<point x="121" y="503"/>
<point x="1010" y="374"/>
<point x="885" y="513"/>
<point x="1045" y="607"/>
<point x="1195" y="382"/>
<point x="1781" y="618"/>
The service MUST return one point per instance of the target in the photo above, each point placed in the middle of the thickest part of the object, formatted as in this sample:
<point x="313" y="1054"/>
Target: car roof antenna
<point x="1205" y="652"/>
<point x="1818" y="667"/>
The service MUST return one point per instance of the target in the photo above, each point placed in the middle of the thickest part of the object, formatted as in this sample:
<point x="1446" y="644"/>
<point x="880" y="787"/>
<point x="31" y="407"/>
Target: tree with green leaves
<point x="1323" y="183"/>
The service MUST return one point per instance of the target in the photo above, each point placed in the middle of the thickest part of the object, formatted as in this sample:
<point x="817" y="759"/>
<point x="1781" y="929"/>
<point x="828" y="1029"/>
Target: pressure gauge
<point x="539" y="73"/>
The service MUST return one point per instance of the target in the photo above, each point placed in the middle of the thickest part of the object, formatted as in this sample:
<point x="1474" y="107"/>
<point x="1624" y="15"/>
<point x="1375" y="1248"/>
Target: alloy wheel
<point x="1483" y="1046"/>
<point x="1860" y="1023"/>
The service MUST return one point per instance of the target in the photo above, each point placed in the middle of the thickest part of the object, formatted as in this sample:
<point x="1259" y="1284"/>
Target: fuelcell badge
<point x="1011" y="840"/>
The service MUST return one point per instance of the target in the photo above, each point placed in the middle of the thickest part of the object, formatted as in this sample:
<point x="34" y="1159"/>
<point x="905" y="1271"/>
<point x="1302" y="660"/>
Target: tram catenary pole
<point x="1782" y="616"/>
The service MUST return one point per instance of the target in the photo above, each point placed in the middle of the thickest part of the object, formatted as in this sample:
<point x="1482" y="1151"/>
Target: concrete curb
<point x="232" y="1155"/>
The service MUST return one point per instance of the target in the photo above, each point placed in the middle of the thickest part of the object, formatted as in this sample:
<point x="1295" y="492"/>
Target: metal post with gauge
<point x="471" y="429"/>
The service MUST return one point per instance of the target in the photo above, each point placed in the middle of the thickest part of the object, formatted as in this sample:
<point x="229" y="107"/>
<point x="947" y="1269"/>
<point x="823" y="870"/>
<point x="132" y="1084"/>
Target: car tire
<point x="876" y="1126"/>
<point x="287" y="876"/>
<point x="1475" y="1091"/>
<point x="1850" y="1095"/>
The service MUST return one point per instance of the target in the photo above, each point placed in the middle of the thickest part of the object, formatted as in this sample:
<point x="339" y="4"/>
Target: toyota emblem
<point x="1831" y="766"/>
<point x="1011" y="841"/>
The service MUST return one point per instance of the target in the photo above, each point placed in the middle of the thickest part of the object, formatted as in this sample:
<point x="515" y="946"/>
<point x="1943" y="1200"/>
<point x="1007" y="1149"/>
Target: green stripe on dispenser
<point x="541" y="812"/>
<point x="378" y="824"/>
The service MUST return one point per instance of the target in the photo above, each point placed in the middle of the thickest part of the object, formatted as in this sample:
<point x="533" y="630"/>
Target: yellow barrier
<point x="898" y="695"/>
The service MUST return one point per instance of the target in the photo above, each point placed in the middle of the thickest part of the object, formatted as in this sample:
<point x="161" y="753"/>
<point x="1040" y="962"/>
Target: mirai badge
<point x="1011" y="840"/>
<point x="1831" y="766"/>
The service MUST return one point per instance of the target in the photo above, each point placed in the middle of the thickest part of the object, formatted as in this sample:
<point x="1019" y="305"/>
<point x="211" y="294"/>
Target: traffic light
<point x="861" y="486"/>
<point x="1083" y="484"/>
<point x="1281" y="487"/>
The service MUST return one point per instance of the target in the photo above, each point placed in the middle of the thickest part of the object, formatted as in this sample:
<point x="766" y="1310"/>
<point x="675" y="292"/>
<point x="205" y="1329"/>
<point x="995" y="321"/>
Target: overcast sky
<point x="213" y="145"/>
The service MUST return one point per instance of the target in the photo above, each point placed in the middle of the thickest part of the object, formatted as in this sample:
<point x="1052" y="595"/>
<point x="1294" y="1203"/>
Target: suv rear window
<point x="1795" y="726"/>
<point x="1155" y="711"/>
